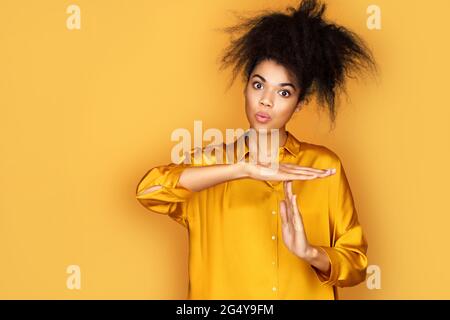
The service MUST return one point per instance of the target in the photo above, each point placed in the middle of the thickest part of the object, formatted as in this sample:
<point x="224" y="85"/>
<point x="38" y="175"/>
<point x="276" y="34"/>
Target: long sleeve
<point x="347" y="252"/>
<point x="166" y="196"/>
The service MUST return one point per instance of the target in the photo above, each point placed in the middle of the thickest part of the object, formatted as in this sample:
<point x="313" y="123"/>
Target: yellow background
<point x="85" y="113"/>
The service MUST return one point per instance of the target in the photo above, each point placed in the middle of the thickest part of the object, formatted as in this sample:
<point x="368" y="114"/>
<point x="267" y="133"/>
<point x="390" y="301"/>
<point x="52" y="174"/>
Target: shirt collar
<point x="292" y="145"/>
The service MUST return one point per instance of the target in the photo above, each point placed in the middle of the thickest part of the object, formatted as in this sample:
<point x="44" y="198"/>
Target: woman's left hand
<point x="293" y="231"/>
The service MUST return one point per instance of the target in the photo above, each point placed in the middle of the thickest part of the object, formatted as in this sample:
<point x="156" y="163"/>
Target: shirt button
<point x="273" y="237"/>
<point x="274" y="212"/>
<point x="274" y="289"/>
<point x="273" y="262"/>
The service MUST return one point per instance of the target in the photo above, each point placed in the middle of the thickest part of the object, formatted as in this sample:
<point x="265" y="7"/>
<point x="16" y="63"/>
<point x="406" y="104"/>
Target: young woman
<point x="291" y="235"/>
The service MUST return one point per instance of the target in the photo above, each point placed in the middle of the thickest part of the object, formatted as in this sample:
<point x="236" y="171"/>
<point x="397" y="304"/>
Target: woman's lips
<point x="262" y="117"/>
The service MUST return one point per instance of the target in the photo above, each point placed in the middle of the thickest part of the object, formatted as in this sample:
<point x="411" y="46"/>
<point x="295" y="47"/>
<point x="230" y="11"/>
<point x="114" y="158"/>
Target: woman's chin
<point x="261" y="126"/>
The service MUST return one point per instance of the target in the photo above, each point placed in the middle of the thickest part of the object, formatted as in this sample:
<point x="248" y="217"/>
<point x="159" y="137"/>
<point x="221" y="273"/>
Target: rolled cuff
<point x="332" y="278"/>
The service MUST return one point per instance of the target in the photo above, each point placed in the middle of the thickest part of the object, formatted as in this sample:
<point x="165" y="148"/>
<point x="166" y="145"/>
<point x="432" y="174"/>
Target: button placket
<point x="274" y="239"/>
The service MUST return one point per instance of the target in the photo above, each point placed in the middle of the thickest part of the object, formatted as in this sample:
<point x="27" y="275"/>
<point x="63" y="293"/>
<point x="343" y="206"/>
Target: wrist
<point x="241" y="169"/>
<point x="310" y="255"/>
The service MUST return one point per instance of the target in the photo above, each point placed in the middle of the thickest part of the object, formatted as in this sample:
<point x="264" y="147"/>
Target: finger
<point x="278" y="175"/>
<point x="289" y="189"/>
<point x="306" y="172"/>
<point x="296" y="170"/>
<point x="298" y="221"/>
<point x="302" y="168"/>
<point x="283" y="212"/>
<point x="294" y="176"/>
<point x="290" y="208"/>
<point x="286" y="190"/>
<point x="292" y="203"/>
<point x="288" y="205"/>
<point x="295" y="166"/>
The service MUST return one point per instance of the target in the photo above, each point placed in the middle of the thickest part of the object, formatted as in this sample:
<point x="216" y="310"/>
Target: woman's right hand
<point x="284" y="172"/>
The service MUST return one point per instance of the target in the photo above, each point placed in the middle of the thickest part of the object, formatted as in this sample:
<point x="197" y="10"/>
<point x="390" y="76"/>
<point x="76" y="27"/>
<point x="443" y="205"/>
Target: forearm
<point x="199" y="178"/>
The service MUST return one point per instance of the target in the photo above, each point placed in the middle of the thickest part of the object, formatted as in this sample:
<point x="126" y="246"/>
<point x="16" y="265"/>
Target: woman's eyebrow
<point x="283" y="84"/>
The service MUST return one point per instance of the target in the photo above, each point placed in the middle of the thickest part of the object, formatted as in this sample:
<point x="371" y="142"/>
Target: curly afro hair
<point x="318" y="52"/>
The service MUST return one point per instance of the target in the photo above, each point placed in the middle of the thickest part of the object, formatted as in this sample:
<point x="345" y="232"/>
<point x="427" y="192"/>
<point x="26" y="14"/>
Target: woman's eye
<point x="284" y="93"/>
<point x="287" y="93"/>
<point x="255" y="85"/>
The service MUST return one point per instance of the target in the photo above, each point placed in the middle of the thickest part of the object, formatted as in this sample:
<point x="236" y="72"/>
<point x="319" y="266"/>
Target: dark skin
<point x="273" y="90"/>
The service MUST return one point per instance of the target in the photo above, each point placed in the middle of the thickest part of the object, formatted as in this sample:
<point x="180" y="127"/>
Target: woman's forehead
<point x="273" y="72"/>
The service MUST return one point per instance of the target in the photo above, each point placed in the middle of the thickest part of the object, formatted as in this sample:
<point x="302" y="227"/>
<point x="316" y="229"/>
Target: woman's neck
<point x="267" y="135"/>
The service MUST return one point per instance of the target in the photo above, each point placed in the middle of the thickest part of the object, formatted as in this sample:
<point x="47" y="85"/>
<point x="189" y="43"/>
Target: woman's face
<point x="270" y="96"/>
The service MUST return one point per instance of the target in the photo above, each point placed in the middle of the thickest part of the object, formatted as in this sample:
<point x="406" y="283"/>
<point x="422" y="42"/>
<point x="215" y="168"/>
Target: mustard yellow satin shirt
<point x="236" y="250"/>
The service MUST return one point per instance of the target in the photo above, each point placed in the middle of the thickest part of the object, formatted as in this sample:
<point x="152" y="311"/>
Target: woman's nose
<point x="265" y="102"/>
